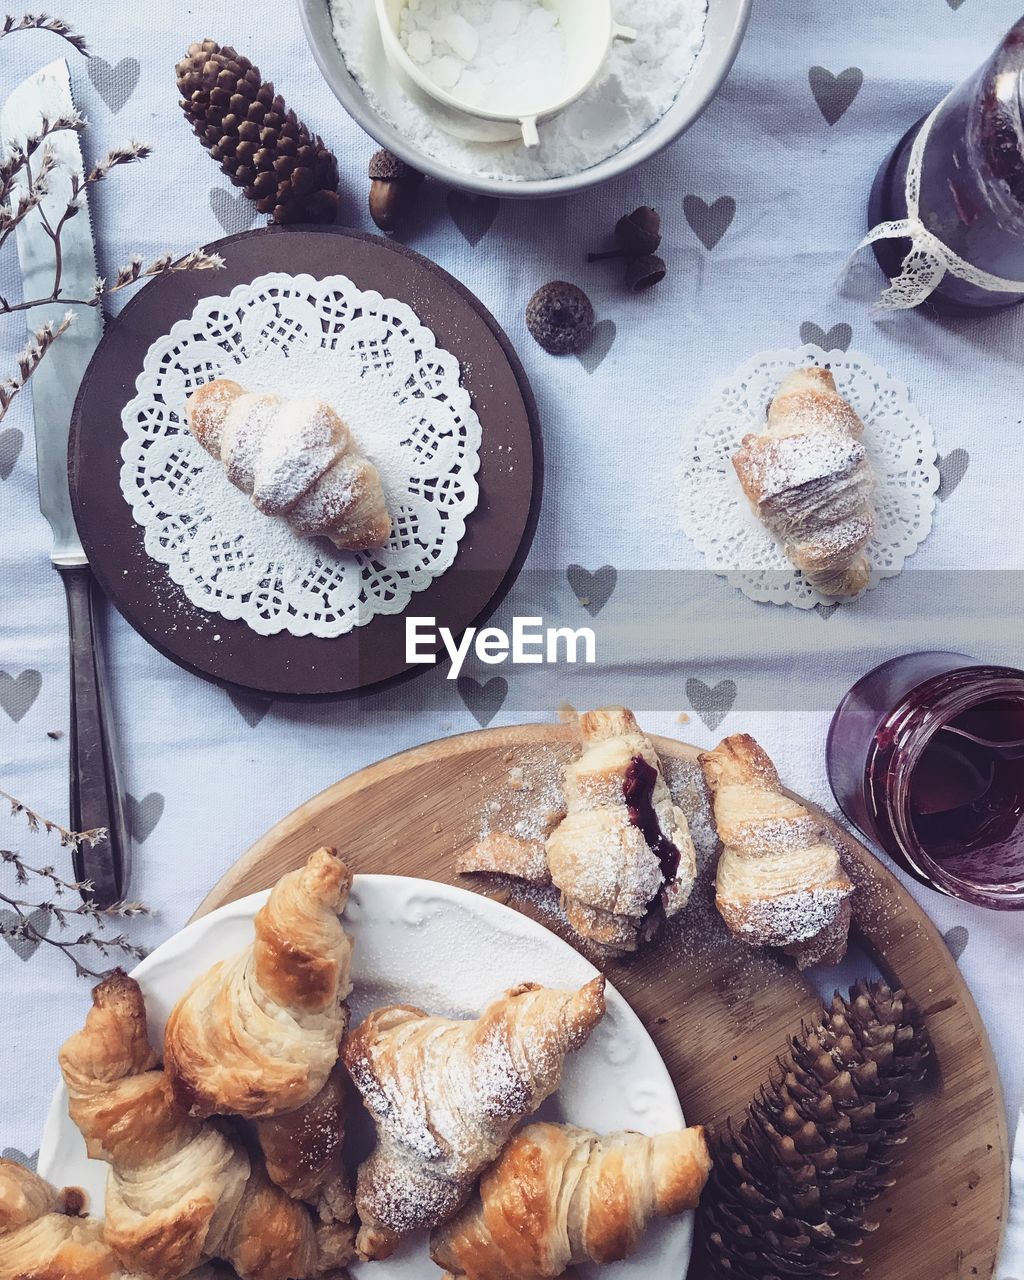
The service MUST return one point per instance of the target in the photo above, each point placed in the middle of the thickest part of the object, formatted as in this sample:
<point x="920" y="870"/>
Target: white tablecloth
<point x="207" y="776"/>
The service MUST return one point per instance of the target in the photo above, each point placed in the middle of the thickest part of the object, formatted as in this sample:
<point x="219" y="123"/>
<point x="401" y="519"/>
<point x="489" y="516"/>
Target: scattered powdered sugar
<point x="638" y="84"/>
<point x="791" y="917"/>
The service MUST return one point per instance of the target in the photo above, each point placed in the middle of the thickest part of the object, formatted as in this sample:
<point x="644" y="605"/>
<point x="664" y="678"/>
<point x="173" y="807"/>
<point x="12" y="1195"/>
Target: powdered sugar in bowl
<point x="659" y="84"/>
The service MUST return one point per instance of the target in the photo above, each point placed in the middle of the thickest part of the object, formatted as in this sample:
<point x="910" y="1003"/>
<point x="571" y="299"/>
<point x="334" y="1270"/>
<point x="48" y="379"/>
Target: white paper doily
<point x="400" y="394"/>
<point x="716" y="514"/>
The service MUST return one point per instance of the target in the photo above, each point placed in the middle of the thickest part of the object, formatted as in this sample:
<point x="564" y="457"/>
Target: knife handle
<point x="95" y="794"/>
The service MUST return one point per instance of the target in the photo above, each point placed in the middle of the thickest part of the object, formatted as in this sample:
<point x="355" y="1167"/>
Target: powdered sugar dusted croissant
<point x="258" y="1035"/>
<point x="297" y="459"/>
<point x="41" y="1235"/>
<point x="560" y="1197"/>
<point x="180" y="1191"/>
<point x="809" y="479"/>
<point x="622" y="856"/>
<point x="780" y="881"/>
<point x="446" y="1095"/>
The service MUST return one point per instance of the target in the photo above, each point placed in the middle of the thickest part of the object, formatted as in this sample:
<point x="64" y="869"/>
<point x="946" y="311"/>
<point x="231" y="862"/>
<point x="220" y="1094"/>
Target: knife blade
<point x="95" y="795"/>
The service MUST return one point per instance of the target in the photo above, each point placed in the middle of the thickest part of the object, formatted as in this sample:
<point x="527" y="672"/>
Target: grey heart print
<point x="483" y="700"/>
<point x="18" y="693"/>
<point x="954" y="4"/>
<point x="838" y="338"/>
<point x="600" y="344"/>
<point x="709" y="222"/>
<point x="957" y="939"/>
<point x="835" y="94"/>
<point x="473" y="215"/>
<point x="115" y="84"/>
<point x="19" y="1157"/>
<point x="711" y="704"/>
<point x="252" y="709"/>
<point x="952" y="469"/>
<point x="825" y="611"/>
<point x="592" y="590"/>
<point x="25" y="948"/>
<point x="234" y="212"/>
<point x="11" y="441"/>
<point x="143" y="815"/>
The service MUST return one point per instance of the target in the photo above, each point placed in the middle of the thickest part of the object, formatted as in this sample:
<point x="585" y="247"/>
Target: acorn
<point x="393" y="188"/>
<point x="561" y="318"/>
<point x="642" y="273"/>
<point x="637" y="235"/>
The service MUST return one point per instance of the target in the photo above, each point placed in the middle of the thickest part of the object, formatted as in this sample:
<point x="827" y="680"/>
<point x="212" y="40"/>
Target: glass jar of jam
<point x="972" y="182"/>
<point x="925" y="755"/>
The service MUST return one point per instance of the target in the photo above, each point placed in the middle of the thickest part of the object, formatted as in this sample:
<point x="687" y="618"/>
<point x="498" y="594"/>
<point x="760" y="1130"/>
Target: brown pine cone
<point x="260" y="144"/>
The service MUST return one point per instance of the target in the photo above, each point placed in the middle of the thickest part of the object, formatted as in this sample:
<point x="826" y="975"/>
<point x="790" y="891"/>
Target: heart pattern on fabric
<point x="825" y="611"/>
<point x="252" y="709"/>
<point x="143" y="815"/>
<point x="11" y="441"/>
<point x="25" y="948"/>
<point x="709" y="222"/>
<point x="18" y="693"/>
<point x="19" y="1157"/>
<point x="600" y="344"/>
<point x="835" y="94"/>
<point x="473" y="215"/>
<point x="952" y="469"/>
<point x="711" y="704"/>
<point x="954" y="4"/>
<point x="234" y="211"/>
<point x="592" y="590"/>
<point x="957" y="939"/>
<point x="483" y="699"/>
<point x="115" y="84"/>
<point x="838" y="338"/>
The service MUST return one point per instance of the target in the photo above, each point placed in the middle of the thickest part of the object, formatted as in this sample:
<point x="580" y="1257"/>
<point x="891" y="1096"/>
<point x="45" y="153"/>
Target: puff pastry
<point x="296" y="458"/>
<point x="808" y="478"/>
<point x="780" y="882"/>
<point x="559" y="1197"/>
<point x="258" y="1035"/>
<point x="180" y="1191"/>
<point x="41" y="1235"/>
<point x="622" y="856"/>
<point x="446" y="1095"/>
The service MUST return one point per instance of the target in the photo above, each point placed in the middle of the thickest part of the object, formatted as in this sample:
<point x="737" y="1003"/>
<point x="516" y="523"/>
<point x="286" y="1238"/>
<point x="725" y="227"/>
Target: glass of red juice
<point x="925" y="755"/>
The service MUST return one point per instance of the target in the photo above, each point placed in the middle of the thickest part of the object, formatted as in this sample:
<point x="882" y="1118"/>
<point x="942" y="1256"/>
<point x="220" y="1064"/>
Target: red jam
<point x="638" y="790"/>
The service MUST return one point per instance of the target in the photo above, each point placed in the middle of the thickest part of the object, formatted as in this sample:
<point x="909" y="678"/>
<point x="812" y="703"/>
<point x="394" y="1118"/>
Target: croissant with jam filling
<point x="622" y="856"/>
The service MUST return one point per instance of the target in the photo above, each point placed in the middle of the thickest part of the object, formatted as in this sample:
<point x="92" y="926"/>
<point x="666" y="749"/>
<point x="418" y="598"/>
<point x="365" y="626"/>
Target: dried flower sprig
<point x="27" y="175"/>
<point x="64" y="903"/>
<point x="43" y="22"/>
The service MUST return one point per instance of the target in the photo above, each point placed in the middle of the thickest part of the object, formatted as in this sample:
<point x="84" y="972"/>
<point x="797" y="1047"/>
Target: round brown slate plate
<point x="498" y="534"/>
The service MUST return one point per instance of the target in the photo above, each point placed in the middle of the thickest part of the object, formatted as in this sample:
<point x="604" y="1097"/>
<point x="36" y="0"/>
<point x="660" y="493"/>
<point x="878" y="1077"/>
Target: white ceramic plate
<point x="449" y="951"/>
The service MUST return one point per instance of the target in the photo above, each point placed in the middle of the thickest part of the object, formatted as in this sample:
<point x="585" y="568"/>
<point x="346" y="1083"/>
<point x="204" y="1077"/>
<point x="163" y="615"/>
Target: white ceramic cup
<point x="588" y="29"/>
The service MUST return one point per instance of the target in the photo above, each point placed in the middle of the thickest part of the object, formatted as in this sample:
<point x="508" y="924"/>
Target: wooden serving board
<point x="718" y="1012"/>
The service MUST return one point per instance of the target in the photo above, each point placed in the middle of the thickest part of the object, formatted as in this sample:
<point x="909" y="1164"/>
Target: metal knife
<point x="95" y="794"/>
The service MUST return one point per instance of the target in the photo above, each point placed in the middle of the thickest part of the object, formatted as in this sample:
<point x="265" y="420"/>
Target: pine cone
<point x="258" y="143"/>
<point x="788" y="1190"/>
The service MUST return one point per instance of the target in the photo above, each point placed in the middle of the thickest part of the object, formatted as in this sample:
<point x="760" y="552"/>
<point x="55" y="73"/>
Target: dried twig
<point x="43" y="22"/>
<point x="36" y="822"/>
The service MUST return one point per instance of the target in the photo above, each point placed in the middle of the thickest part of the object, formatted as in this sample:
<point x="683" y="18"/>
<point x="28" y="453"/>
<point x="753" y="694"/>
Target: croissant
<point x="446" y="1095"/>
<point x="809" y="480"/>
<point x="297" y="459"/>
<point x="258" y="1035"/>
<point x="560" y="1197"/>
<point x="180" y="1191"/>
<point x="41" y="1235"/>
<point x="780" y="882"/>
<point x="622" y="856"/>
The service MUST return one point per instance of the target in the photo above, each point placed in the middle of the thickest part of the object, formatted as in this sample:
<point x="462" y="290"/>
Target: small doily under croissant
<point x="399" y="394"/>
<point x="717" y="515"/>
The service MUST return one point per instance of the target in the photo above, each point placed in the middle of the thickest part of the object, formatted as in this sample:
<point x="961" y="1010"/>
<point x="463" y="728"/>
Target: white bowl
<point x="723" y="34"/>
<point x="588" y="29"/>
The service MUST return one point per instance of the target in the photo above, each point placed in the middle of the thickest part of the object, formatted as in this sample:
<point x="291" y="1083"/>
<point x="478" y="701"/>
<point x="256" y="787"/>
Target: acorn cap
<point x="561" y="318"/>
<point x="385" y="166"/>
<point x="642" y="273"/>
<point x="638" y="234"/>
